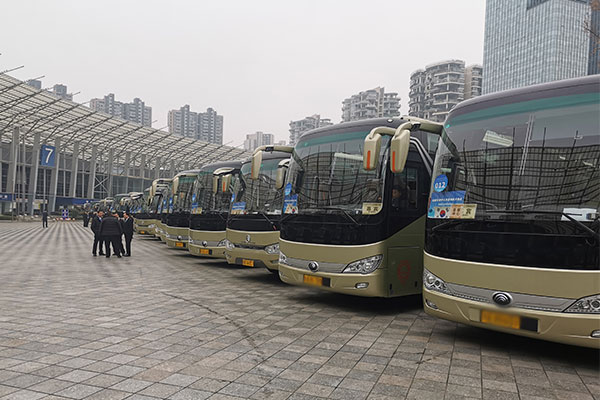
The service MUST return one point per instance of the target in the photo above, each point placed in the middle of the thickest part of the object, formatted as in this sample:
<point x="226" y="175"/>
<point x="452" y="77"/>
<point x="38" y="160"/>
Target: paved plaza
<point x="164" y="324"/>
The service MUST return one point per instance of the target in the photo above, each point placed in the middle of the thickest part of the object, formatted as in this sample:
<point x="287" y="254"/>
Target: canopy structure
<point x="97" y="155"/>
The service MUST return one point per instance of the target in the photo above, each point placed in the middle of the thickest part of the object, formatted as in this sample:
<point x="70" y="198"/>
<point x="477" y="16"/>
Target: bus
<point x="177" y="223"/>
<point x="148" y="220"/>
<point x="354" y="207"/>
<point x="254" y="217"/>
<point x="512" y="232"/>
<point x="141" y="211"/>
<point x="120" y="203"/>
<point x="209" y="205"/>
<point x="164" y="207"/>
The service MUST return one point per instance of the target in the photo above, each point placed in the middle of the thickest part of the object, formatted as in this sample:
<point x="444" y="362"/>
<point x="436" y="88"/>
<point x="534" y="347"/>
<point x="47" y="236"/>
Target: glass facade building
<point x="534" y="41"/>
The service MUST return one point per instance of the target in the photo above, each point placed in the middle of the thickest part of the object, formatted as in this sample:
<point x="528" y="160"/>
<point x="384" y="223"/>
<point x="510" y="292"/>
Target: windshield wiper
<point x="346" y="213"/>
<point x="268" y="219"/>
<point x="578" y="223"/>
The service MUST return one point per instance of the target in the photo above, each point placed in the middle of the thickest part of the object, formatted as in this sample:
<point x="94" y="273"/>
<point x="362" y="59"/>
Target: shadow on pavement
<point x="550" y="352"/>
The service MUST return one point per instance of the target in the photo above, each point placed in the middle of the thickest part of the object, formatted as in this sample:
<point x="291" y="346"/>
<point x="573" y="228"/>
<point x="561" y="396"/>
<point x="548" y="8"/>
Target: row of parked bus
<point x="492" y="215"/>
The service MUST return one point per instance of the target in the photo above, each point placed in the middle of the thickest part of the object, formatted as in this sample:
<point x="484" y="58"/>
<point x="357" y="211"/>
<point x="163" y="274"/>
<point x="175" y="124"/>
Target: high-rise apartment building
<point x="36" y="83"/>
<point x="371" y="103"/>
<point x="257" y="139"/>
<point x="297" y="128"/>
<point x="136" y="111"/>
<point x="593" y="28"/>
<point x="60" y="90"/>
<point x="534" y="41"/>
<point x="442" y="85"/>
<point x="210" y="126"/>
<point x="207" y="126"/>
<point x="473" y="81"/>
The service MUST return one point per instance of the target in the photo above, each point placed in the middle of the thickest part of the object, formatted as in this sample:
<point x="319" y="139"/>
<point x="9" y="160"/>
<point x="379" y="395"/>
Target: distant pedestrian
<point x="111" y="231"/>
<point x="98" y="240"/>
<point x="86" y="219"/>
<point x="127" y="232"/>
<point x="44" y="219"/>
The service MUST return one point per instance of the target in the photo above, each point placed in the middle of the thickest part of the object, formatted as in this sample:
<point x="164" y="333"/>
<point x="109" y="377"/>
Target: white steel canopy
<point x="40" y="112"/>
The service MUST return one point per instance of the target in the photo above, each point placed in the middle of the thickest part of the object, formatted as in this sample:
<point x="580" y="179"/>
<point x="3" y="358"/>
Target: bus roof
<point x="213" y="166"/>
<point x="584" y="84"/>
<point x="361" y="125"/>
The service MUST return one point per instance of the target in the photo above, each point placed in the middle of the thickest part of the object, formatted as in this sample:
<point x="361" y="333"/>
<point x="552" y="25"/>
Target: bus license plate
<point x="204" y="251"/>
<point x="313" y="280"/>
<point x="142" y="232"/>
<point x="500" y="319"/>
<point x="248" y="263"/>
<point x="179" y="244"/>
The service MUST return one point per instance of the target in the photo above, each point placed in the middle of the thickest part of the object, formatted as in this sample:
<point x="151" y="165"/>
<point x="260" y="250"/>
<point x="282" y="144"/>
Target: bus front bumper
<point x="367" y="285"/>
<point x="143" y="226"/>
<point x="206" y="251"/>
<point x="252" y="258"/>
<point x="568" y="328"/>
<point x="177" y="237"/>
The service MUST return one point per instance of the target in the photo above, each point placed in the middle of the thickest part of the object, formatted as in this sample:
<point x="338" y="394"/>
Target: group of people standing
<point x="108" y="230"/>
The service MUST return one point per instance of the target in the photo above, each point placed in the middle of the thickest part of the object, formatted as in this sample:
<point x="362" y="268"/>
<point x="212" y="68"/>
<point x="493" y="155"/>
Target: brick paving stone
<point x="163" y="324"/>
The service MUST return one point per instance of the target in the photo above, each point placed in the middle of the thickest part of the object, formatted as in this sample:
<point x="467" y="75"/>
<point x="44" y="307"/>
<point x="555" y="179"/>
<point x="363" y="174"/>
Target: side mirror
<point x="399" y="150"/>
<point x="225" y="182"/>
<point x="281" y="173"/>
<point x="215" y="187"/>
<point x="371" y="151"/>
<point x="256" y="161"/>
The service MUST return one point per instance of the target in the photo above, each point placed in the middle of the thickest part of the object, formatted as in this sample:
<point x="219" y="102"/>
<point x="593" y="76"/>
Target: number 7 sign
<point x="47" y="156"/>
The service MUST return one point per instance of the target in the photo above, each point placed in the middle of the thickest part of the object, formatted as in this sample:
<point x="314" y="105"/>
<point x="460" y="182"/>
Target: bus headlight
<point x="229" y="245"/>
<point x="282" y="258"/>
<point x="272" y="248"/>
<point x="222" y="243"/>
<point x="364" y="266"/>
<point x="434" y="283"/>
<point x="586" y="305"/>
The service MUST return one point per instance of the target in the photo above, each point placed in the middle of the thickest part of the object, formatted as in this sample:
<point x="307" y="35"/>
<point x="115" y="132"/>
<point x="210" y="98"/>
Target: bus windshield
<point x="184" y="186"/>
<point x="260" y="195"/>
<point x="203" y="200"/>
<point x="538" y="165"/>
<point x="328" y="171"/>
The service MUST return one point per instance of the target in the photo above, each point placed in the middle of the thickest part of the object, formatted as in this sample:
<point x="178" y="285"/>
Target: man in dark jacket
<point x="44" y="219"/>
<point x="86" y="219"/>
<point x="111" y="231"/>
<point x="98" y="239"/>
<point x="127" y="224"/>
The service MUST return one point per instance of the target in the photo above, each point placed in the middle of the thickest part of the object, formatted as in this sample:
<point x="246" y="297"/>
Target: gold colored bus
<point x="149" y="221"/>
<point x="209" y="207"/>
<point x="255" y="213"/>
<point x="177" y="223"/>
<point x="140" y="209"/>
<point x="512" y="240"/>
<point x="354" y="207"/>
<point x="165" y="206"/>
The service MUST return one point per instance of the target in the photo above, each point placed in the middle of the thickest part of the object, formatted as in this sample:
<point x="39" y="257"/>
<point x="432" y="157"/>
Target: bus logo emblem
<point x="313" y="266"/>
<point x="502" y="299"/>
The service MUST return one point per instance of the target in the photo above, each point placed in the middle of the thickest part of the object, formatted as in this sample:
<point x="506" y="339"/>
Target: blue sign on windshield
<point x="440" y="183"/>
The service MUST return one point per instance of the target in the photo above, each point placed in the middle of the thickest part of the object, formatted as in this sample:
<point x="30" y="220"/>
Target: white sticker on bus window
<point x="371" y="208"/>
<point x="468" y="211"/>
<point x="580" y="214"/>
<point x="442" y="212"/>
<point x="498" y="139"/>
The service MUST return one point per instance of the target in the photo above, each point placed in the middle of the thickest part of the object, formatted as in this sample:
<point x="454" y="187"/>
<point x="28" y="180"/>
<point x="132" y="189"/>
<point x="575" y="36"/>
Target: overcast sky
<point x="259" y="63"/>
